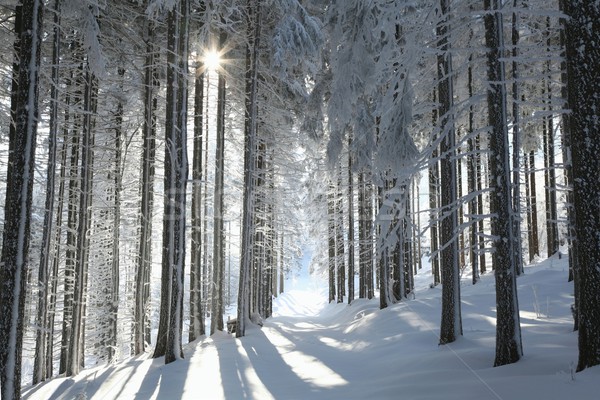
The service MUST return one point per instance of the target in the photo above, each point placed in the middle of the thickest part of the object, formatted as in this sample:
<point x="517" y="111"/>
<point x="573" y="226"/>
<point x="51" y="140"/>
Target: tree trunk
<point x="77" y="333"/>
<point x="471" y="180"/>
<point x="75" y="82"/>
<point x="363" y="256"/>
<point x="144" y="260"/>
<point x="567" y="150"/>
<point x="340" y="255"/>
<point x="434" y="188"/>
<point x="370" y="237"/>
<point x="350" y="226"/>
<point x="550" y="171"/>
<point x="583" y="62"/>
<point x="534" y="247"/>
<point x="116" y="235"/>
<point x="250" y="142"/>
<point x="508" y="330"/>
<point x="17" y="207"/>
<point x="219" y="208"/>
<point x="481" y="225"/>
<point x="196" y="310"/>
<point x="178" y="139"/>
<point x="57" y="244"/>
<point x="451" y="323"/>
<point x="40" y="364"/>
<point x="175" y="183"/>
<point x="516" y="187"/>
<point x="331" y="239"/>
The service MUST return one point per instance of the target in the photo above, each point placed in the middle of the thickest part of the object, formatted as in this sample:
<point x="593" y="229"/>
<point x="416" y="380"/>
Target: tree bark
<point x="583" y="62"/>
<point x="250" y="142"/>
<point x="350" y="225"/>
<point x="508" y="330"/>
<point x="516" y="187"/>
<point x="196" y="309"/>
<point x="40" y="364"/>
<point x="451" y="322"/>
<point x="144" y="259"/>
<point x="331" y="240"/>
<point x="219" y="208"/>
<point x="77" y="333"/>
<point x="17" y="207"/>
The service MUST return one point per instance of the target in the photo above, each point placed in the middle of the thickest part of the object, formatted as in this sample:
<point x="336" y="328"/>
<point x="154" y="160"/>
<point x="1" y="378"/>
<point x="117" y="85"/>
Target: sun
<point x="212" y="60"/>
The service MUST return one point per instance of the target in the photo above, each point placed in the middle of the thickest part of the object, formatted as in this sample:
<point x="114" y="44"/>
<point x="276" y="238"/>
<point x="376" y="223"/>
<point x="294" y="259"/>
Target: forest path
<point x="310" y="349"/>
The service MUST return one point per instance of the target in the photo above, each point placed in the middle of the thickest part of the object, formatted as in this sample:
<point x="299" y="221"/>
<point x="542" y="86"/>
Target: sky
<point x="313" y="350"/>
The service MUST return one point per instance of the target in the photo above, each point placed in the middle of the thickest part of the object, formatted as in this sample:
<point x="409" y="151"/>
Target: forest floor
<point x="313" y="350"/>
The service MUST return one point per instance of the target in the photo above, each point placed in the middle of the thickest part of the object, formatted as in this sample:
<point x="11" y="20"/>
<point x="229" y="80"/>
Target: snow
<point x="313" y="350"/>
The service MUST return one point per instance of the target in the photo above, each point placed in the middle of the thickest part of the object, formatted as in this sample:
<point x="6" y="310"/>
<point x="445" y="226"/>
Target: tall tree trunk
<point x="567" y="149"/>
<point x="350" y="225"/>
<point x="77" y="333"/>
<point x="144" y="259"/>
<point x="451" y="323"/>
<point x="219" y="208"/>
<point x="534" y="247"/>
<point x="40" y="364"/>
<point x="516" y="187"/>
<point x="17" y="207"/>
<point x="57" y="245"/>
<point x="281" y="265"/>
<point x="331" y="240"/>
<point x="250" y="142"/>
<point x="73" y="195"/>
<point x="434" y="188"/>
<point x="471" y="180"/>
<point x="168" y="342"/>
<point x="550" y="170"/>
<point x="116" y="235"/>
<point x="196" y="310"/>
<point x="370" y="237"/>
<point x="481" y="225"/>
<point x="180" y="174"/>
<point x="206" y="271"/>
<point x="508" y="330"/>
<point x="583" y="62"/>
<point x="340" y="246"/>
<point x="363" y="256"/>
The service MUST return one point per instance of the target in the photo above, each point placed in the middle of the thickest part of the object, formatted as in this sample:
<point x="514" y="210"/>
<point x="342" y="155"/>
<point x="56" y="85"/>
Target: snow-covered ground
<point x="314" y="350"/>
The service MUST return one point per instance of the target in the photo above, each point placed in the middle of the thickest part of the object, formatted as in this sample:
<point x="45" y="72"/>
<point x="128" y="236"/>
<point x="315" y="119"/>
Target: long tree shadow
<point x="255" y="353"/>
<point x="334" y="358"/>
<point x="153" y="379"/>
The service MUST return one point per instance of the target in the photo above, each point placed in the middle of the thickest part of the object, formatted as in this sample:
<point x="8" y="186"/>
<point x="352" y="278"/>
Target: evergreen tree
<point x="451" y="325"/>
<point x="583" y="61"/>
<point x="508" y="329"/>
<point x="17" y="205"/>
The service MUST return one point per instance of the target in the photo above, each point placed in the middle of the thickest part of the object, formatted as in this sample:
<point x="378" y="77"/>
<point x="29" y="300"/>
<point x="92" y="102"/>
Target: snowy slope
<point x="314" y="350"/>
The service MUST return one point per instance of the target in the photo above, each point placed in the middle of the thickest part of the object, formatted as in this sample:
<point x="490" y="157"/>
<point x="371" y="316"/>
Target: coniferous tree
<point x="42" y="320"/>
<point x="141" y="324"/>
<point x="331" y="241"/>
<point x="451" y="325"/>
<point x="175" y="171"/>
<point x="583" y="61"/>
<point x="516" y="190"/>
<point x="508" y="329"/>
<point x="17" y="206"/>
<point x="196" y="276"/>
<point x="219" y="208"/>
<point x="253" y="29"/>
<point x="350" y="225"/>
<point x="76" y="343"/>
